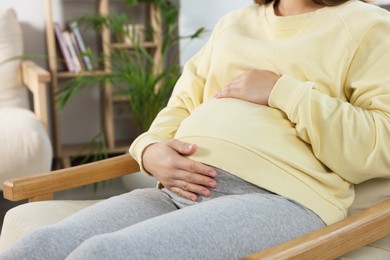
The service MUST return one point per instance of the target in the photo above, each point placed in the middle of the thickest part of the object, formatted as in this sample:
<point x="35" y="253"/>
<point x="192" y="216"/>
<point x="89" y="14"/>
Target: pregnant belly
<point x="259" y="129"/>
<point x="239" y="122"/>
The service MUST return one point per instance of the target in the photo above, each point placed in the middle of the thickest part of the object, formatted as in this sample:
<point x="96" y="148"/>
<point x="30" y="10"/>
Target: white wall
<point x="202" y="13"/>
<point x="83" y="117"/>
<point x="31" y="16"/>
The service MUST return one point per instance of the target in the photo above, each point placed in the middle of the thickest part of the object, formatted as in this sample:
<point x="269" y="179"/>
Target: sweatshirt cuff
<point x="138" y="147"/>
<point x="285" y="93"/>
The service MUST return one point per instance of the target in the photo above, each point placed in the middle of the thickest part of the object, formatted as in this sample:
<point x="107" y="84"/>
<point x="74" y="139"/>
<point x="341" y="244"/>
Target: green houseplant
<point x="134" y="73"/>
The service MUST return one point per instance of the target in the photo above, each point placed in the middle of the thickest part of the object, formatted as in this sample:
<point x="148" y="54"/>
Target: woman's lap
<point x="238" y="219"/>
<point x="227" y="227"/>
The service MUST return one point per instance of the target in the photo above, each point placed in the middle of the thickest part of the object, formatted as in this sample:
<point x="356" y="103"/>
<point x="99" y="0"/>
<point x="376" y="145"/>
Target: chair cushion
<point x="12" y="92"/>
<point x="21" y="219"/>
<point x="367" y="253"/>
<point x="25" y="147"/>
<point x="368" y="194"/>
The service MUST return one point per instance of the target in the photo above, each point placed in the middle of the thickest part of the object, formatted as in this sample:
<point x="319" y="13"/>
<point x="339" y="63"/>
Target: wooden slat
<point x="53" y="90"/>
<point x="118" y="45"/>
<point x="49" y="196"/>
<point x="48" y="183"/>
<point x="334" y="240"/>
<point x="50" y="36"/>
<point x="107" y="92"/>
<point x="35" y="78"/>
<point x="67" y="74"/>
<point x="32" y="73"/>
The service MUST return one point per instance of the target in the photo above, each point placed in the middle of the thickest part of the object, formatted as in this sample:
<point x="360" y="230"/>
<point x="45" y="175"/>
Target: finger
<point x="184" y="193"/>
<point x="192" y="166"/>
<point x="193" y="188"/>
<point x="197" y="179"/>
<point x="182" y="147"/>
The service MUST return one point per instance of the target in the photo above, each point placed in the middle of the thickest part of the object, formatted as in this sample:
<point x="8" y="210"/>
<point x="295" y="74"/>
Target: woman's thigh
<point x="228" y="227"/>
<point x="58" y="240"/>
<point x="121" y="211"/>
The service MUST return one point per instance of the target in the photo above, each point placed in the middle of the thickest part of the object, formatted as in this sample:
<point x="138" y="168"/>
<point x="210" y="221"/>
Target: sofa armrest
<point x="42" y="186"/>
<point x="35" y="78"/>
<point x="335" y="240"/>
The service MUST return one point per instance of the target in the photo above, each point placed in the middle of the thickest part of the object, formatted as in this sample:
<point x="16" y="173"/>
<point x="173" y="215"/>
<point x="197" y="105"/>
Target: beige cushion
<point x="367" y="253"/>
<point x="19" y="220"/>
<point x="25" y="147"/>
<point x="368" y="194"/>
<point x="12" y="93"/>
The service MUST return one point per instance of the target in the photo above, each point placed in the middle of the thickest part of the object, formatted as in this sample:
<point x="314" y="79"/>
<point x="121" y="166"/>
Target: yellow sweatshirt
<point x="327" y="125"/>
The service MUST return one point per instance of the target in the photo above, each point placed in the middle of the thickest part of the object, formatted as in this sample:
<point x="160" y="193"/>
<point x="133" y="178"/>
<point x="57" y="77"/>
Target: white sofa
<point x="25" y="145"/>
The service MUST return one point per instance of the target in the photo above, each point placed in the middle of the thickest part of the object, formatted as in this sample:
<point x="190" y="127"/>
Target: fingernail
<point x="206" y="193"/>
<point x="212" y="173"/>
<point x="194" y="198"/>
<point x="189" y="147"/>
<point x="212" y="184"/>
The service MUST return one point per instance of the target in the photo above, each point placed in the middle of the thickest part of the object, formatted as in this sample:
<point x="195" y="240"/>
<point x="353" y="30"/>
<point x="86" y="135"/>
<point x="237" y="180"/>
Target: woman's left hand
<point x="254" y="86"/>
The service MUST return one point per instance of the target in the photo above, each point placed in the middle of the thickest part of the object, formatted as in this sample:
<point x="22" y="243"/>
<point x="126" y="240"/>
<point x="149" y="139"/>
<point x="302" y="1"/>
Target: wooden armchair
<point x="354" y="232"/>
<point x="35" y="79"/>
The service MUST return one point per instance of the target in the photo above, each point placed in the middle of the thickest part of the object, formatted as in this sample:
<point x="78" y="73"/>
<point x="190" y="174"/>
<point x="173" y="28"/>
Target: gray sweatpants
<point x="238" y="219"/>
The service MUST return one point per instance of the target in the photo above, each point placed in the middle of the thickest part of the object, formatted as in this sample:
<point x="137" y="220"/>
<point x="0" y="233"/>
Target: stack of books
<point x="73" y="49"/>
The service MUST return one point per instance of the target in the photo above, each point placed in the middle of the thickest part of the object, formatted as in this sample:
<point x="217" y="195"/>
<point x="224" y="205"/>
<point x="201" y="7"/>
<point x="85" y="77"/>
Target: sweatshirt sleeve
<point x="352" y="136"/>
<point x="186" y="96"/>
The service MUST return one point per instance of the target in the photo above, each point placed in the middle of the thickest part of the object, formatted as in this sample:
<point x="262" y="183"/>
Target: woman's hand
<point x="167" y="162"/>
<point x="254" y="86"/>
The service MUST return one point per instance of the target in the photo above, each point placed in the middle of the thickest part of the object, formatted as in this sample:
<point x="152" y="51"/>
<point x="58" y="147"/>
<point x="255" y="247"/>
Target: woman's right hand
<point x="167" y="162"/>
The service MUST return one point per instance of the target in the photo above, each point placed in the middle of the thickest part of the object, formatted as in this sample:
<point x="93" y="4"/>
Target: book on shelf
<point x="74" y="28"/>
<point x="75" y="59"/>
<point x="77" y="50"/>
<point x="64" y="48"/>
<point x="73" y="49"/>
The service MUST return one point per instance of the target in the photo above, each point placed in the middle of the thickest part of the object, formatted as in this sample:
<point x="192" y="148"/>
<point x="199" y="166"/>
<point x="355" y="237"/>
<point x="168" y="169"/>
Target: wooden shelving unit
<point x="64" y="152"/>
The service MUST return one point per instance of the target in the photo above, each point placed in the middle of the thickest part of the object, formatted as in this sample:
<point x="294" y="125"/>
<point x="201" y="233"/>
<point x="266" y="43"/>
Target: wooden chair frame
<point x="35" y="78"/>
<point x="329" y="242"/>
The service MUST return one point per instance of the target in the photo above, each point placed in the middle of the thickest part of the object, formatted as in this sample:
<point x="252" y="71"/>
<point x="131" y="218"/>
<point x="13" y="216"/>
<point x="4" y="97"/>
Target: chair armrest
<point x="335" y="240"/>
<point x="331" y="242"/>
<point x="42" y="186"/>
<point x="35" y="78"/>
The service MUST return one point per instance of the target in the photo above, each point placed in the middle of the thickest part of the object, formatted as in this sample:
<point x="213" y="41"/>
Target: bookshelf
<point x="108" y="99"/>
